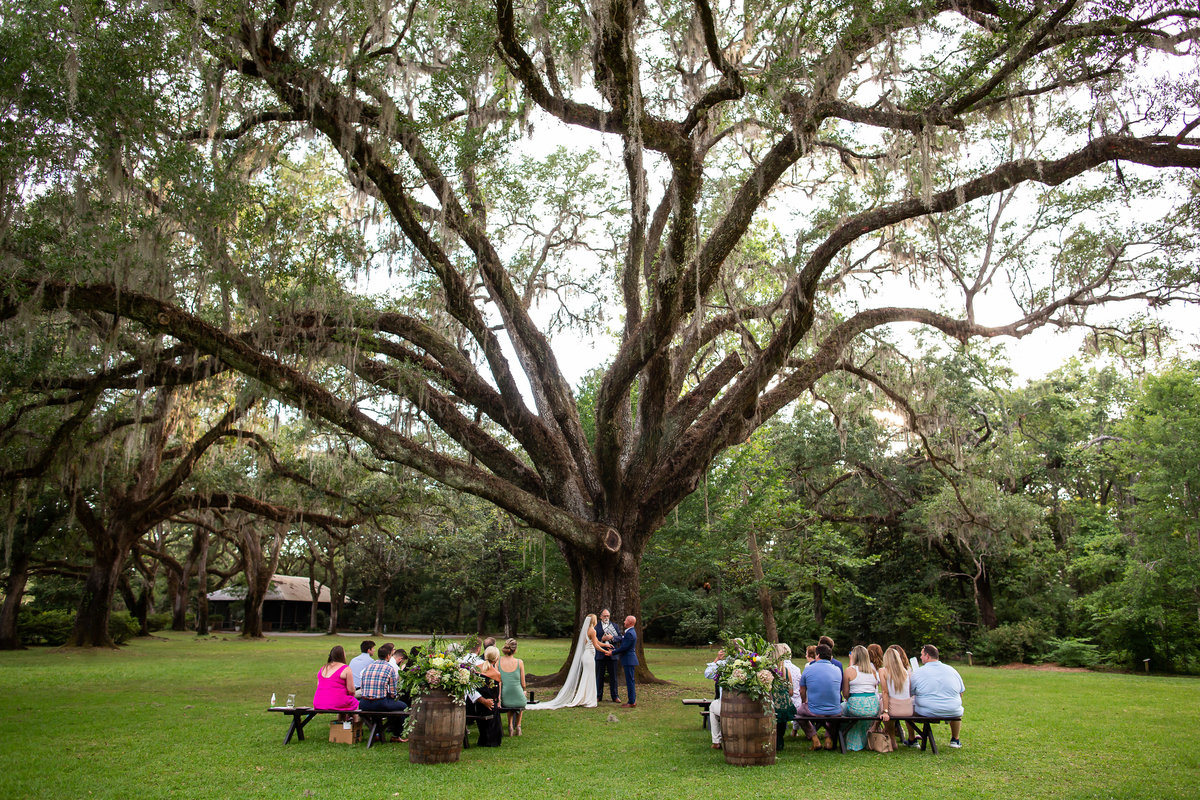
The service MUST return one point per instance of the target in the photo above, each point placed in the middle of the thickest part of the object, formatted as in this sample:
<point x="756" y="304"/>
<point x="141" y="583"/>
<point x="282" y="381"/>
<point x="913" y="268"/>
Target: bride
<point x="580" y="686"/>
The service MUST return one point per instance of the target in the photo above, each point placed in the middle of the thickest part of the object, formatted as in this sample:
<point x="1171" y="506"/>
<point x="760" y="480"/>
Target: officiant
<point x="606" y="631"/>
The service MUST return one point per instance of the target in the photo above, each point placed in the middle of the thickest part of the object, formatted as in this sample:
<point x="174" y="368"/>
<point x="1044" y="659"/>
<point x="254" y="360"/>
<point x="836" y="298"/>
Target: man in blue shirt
<point x="937" y="691"/>
<point x="821" y="693"/>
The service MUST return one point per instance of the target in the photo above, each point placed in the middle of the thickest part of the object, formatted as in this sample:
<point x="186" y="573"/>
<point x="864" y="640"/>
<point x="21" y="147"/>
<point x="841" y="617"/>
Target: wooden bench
<point x="925" y="723"/>
<point x="302" y="715"/>
<point x="704" y="712"/>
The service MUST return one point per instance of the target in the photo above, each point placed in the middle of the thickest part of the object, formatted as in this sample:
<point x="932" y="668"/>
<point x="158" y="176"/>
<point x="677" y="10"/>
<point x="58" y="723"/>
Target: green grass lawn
<point x="181" y="717"/>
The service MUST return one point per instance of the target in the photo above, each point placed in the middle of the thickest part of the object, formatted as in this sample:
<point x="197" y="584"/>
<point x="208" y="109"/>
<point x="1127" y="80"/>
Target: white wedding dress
<point x="580" y="686"/>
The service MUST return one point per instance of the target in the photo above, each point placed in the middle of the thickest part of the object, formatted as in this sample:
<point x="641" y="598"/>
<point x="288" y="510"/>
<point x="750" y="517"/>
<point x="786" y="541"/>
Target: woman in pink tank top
<point x="335" y="684"/>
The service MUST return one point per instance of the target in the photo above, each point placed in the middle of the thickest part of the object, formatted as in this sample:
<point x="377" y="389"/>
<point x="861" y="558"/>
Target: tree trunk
<point x="259" y="571"/>
<point x="177" y="591"/>
<point x="605" y="583"/>
<point x="202" y="586"/>
<point x="380" y="600"/>
<point x="95" y="607"/>
<point x="818" y="593"/>
<point x="335" y="597"/>
<point x="138" y="605"/>
<point x="760" y="580"/>
<point x="982" y="583"/>
<point x="14" y="590"/>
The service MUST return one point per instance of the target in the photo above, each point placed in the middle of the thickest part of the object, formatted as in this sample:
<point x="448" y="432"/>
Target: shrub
<point x="1025" y="641"/>
<point x="158" y="622"/>
<point x="51" y="628"/>
<point x="1072" y="652"/>
<point x="122" y="627"/>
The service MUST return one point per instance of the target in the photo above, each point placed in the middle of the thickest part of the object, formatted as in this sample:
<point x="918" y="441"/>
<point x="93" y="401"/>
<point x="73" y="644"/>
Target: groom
<point x="627" y="653"/>
<point x="607" y="632"/>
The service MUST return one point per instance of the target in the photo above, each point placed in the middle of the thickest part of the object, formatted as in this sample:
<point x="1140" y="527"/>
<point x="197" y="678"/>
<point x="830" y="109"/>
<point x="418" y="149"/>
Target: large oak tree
<point x="758" y="184"/>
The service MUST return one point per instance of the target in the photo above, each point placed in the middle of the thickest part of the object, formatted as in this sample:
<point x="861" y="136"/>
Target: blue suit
<point x="626" y="652"/>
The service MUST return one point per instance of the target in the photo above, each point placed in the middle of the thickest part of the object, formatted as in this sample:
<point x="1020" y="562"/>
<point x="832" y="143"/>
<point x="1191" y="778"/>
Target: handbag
<point x="878" y="740"/>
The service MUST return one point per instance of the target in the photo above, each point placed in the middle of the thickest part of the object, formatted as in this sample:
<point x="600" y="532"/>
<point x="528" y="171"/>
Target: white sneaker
<point x="955" y="743"/>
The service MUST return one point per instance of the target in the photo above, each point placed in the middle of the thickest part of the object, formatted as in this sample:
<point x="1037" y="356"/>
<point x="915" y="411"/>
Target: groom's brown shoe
<point x="628" y="705"/>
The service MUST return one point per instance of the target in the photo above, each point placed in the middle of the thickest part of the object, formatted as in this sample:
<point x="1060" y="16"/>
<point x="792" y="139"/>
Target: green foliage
<point x="158" y="622"/>
<point x="927" y="619"/>
<point x="145" y="688"/>
<point x="51" y="628"/>
<point x="1072" y="652"/>
<point x="1017" y="642"/>
<point x="122" y="626"/>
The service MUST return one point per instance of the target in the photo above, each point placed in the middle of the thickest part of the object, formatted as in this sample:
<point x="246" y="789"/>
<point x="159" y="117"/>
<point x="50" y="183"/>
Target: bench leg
<point x="375" y="723"/>
<point x="292" y="729"/>
<point x="841" y="729"/>
<point x="298" y="726"/>
<point x="928" y="739"/>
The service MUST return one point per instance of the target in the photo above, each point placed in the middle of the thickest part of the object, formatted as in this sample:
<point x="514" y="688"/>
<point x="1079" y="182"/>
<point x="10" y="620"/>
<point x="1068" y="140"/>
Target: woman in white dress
<point x="580" y="686"/>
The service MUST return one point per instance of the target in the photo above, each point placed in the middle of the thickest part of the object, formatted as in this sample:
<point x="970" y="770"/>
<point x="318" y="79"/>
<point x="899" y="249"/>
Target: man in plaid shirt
<point x="378" y="688"/>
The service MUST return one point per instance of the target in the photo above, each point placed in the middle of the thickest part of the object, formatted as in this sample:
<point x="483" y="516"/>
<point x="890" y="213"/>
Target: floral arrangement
<point x="750" y="666"/>
<point x="441" y="665"/>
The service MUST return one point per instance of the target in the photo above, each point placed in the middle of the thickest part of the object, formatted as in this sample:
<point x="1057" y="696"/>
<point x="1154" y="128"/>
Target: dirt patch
<point x="1049" y="666"/>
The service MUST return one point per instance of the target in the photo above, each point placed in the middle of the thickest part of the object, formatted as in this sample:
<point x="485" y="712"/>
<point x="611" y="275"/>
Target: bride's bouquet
<point x="750" y="666"/>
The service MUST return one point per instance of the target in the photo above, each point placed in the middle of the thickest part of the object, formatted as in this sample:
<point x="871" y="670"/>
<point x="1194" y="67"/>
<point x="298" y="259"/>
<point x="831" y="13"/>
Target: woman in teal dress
<point x="861" y="683"/>
<point x="512" y="686"/>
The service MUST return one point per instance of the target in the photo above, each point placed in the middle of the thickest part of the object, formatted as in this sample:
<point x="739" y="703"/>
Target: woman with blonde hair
<point x="897" y="694"/>
<point x="579" y="689"/>
<point x="489" y="726"/>
<point x="860" y="682"/>
<point x="512" y="686"/>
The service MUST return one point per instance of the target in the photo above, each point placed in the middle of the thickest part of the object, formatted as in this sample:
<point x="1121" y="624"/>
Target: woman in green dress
<point x="512" y="686"/>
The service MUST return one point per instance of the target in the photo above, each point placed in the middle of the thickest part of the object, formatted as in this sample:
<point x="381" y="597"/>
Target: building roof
<point x="283" y="587"/>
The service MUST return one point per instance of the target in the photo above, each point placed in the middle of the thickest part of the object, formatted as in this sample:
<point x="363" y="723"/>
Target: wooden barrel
<point x="747" y="730"/>
<point x="438" y="730"/>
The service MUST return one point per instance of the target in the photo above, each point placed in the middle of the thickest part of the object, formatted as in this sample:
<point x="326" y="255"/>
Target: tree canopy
<point x="381" y="213"/>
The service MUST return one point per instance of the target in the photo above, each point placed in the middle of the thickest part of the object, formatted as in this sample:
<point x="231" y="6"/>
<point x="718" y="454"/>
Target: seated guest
<point x="832" y="649"/>
<point x="399" y="659"/>
<point x="821" y="695"/>
<point x="714" y="708"/>
<point x="489" y="726"/>
<point x="335" y="684"/>
<point x="894" y="680"/>
<point x="861" y="686"/>
<point x="937" y="691"/>
<point x="810" y="655"/>
<point x="378" y="688"/>
<point x="362" y="660"/>
<point x="781" y="692"/>
<point x="475" y="700"/>
<point x="876" y="654"/>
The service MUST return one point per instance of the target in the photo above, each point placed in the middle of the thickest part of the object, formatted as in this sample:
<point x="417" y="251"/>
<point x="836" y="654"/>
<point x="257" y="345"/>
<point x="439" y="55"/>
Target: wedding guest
<point x="512" y="686"/>
<point x="362" y="660"/>
<point x="876" y="654"/>
<point x="714" y="708"/>
<point x="378" y="689"/>
<point x="489" y="725"/>
<point x="860" y="686"/>
<point x="335" y="684"/>
<point x="820" y="689"/>
<point x="832" y="649"/>
<point x="781" y="692"/>
<point x="937" y="690"/>
<point x="897" y="695"/>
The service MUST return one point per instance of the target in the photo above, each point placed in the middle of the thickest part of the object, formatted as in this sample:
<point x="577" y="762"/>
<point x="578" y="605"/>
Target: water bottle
<point x="272" y="699"/>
